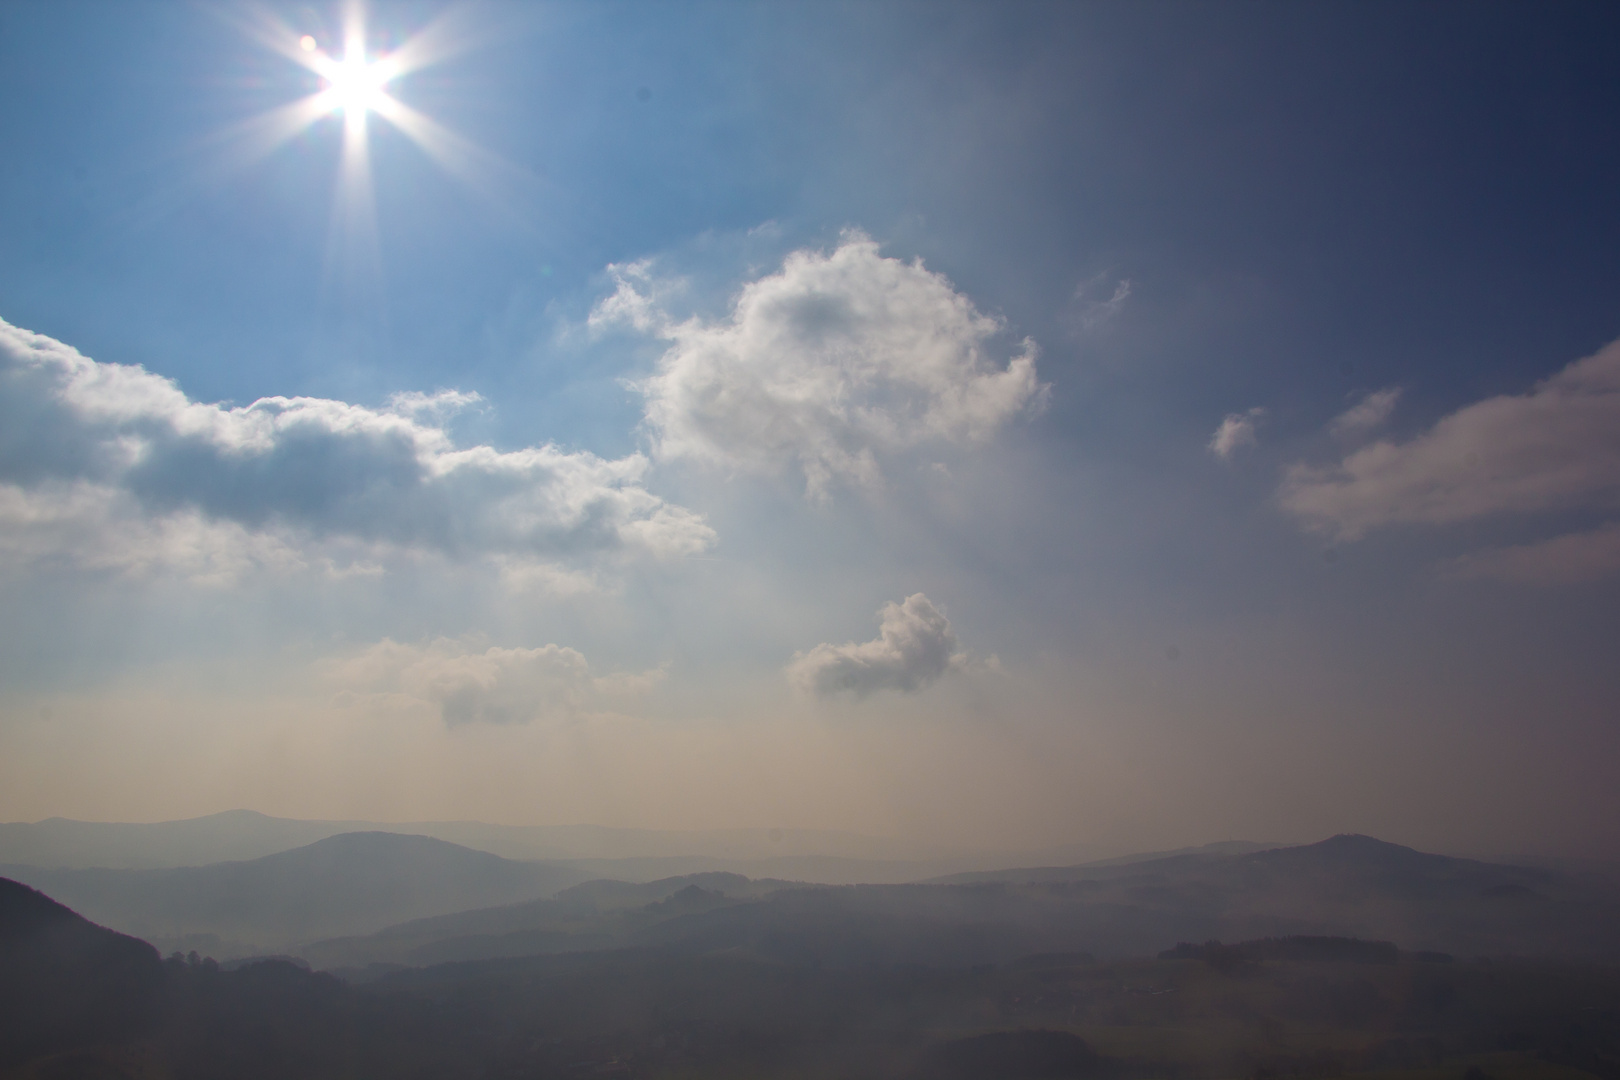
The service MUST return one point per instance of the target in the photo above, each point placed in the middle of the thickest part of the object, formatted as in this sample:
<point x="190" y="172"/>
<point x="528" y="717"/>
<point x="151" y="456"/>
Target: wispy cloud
<point x="1236" y="432"/>
<point x="1370" y="412"/>
<point x="111" y="466"/>
<point x="824" y="366"/>
<point x="1093" y="314"/>
<point x="470" y="683"/>
<point x="1554" y="448"/>
<point x="1562" y="560"/>
<point x="915" y="645"/>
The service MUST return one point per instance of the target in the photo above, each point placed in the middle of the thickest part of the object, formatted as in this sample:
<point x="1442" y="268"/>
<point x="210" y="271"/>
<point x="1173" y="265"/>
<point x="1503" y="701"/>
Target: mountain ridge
<point x="349" y="883"/>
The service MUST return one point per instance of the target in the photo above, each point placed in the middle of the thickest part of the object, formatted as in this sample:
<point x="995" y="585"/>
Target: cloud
<point x="1370" y="412"/>
<point x="1555" y="448"/>
<point x="824" y="366"/>
<point x="1235" y="432"/>
<point x="110" y="466"/>
<point x="915" y="645"/>
<point x="1563" y="560"/>
<point x="437" y="405"/>
<point x="1094" y="314"/>
<point x="492" y="685"/>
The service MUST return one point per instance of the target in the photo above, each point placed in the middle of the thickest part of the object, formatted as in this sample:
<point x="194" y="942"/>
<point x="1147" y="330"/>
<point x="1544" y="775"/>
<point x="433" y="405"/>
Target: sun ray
<point x="457" y="30"/>
<point x="494" y="178"/>
<point x="260" y="136"/>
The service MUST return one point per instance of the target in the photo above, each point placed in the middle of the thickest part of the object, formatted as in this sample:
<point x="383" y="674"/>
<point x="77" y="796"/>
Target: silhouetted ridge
<point x="1350" y="849"/>
<point x="66" y="982"/>
<point x="25" y="911"/>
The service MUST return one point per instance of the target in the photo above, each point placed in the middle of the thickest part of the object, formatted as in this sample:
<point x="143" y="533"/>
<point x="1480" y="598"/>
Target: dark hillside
<point x="65" y="982"/>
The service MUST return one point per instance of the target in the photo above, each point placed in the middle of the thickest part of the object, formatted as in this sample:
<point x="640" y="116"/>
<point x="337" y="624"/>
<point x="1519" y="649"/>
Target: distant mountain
<point x="65" y="982"/>
<point x="346" y="884"/>
<point x="237" y="835"/>
<point x="590" y="916"/>
<point x="1348" y="886"/>
<point x="1079" y="871"/>
<point x="382" y="898"/>
<point x="232" y="836"/>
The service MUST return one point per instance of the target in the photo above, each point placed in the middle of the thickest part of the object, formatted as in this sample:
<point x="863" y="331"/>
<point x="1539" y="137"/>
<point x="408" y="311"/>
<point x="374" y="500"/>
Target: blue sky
<point x="994" y="425"/>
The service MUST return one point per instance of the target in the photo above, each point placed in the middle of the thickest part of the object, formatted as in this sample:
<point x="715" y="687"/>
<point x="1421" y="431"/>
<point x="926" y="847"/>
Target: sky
<point x="995" y="426"/>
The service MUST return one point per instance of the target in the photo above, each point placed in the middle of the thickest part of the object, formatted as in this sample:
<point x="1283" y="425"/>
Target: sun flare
<point x="354" y="85"/>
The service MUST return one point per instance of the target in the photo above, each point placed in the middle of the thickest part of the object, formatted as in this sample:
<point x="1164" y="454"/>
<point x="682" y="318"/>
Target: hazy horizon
<point x="1098" y="427"/>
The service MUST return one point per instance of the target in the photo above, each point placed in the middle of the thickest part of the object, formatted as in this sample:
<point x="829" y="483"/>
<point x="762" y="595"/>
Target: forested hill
<point x="67" y="981"/>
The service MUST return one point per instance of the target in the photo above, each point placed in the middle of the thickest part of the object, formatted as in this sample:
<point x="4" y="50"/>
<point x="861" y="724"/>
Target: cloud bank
<point x="824" y="366"/>
<point x="469" y="685"/>
<point x="110" y="466"/>
<point x="915" y="645"/>
<point x="1555" y="448"/>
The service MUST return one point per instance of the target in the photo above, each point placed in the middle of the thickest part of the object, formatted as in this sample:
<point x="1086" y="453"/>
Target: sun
<point x="355" y="85"/>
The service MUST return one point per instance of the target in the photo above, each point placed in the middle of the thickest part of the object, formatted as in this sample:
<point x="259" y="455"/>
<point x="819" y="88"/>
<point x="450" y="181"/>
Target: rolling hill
<point x="1350" y="886"/>
<point x="347" y="884"/>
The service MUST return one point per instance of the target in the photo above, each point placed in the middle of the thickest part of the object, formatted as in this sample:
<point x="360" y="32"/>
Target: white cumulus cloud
<point x="824" y="366"/>
<point x="915" y="645"/>
<point x="108" y="465"/>
<point x="468" y="684"/>
<point x="1237" y="431"/>
<point x="1554" y="448"/>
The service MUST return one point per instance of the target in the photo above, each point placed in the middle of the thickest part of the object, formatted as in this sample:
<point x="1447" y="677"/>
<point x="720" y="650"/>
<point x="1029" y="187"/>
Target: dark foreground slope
<point x="348" y="884"/>
<point x="66" y="982"/>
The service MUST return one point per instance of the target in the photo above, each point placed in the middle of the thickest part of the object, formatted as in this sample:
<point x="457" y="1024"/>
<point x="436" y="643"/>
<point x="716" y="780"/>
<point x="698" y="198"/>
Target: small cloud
<point x="1236" y="432"/>
<point x="1370" y="412"/>
<point x="635" y="300"/>
<point x="438" y="405"/>
<point x="1563" y="560"/>
<point x="1094" y="314"/>
<point x="915" y="646"/>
